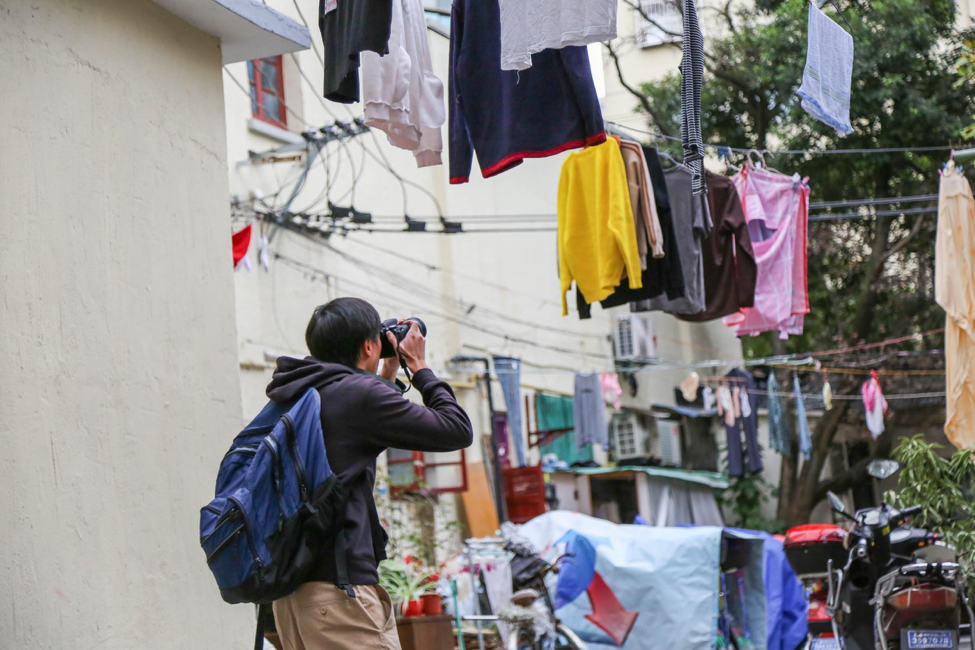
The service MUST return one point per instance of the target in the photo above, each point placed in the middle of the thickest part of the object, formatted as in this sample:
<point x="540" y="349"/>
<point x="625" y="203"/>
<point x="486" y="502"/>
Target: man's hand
<point x="413" y="348"/>
<point x="390" y="364"/>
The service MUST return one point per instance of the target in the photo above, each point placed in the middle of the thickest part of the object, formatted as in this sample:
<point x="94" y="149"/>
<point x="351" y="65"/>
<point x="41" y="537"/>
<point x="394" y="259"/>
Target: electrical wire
<point x="306" y="268"/>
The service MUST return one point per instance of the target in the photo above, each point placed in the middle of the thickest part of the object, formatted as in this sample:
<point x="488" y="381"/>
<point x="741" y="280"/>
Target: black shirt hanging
<point x="349" y="27"/>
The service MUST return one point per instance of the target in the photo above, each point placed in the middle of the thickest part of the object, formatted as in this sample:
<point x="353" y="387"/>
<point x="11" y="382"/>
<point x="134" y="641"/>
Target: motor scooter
<point x="809" y="549"/>
<point x="900" y="588"/>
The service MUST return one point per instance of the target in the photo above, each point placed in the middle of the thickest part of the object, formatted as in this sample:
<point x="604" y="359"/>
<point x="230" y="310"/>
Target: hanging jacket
<point x="776" y="208"/>
<point x="507" y="116"/>
<point x="954" y="290"/>
<point x="596" y="233"/>
<point x="729" y="263"/>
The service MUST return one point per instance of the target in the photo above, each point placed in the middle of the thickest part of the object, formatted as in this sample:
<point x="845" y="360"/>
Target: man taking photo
<point x="363" y="413"/>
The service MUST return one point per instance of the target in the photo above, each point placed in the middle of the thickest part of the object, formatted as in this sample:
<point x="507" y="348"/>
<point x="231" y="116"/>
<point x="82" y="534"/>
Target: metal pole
<point x="477" y="597"/>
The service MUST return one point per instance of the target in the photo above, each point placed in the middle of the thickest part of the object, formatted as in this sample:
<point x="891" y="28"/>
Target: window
<point x="669" y="23"/>
<point x="267" y="90"/>
<point x="628" y="435"/>
<point x="410" y="471"/>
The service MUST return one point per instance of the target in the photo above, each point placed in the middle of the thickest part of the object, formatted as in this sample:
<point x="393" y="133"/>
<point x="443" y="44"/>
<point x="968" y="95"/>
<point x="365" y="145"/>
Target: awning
<point x="247" y="29"/>
<point x="710" y="479"/>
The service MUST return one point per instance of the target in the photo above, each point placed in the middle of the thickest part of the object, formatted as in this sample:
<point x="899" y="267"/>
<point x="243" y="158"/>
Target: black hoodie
<point x="363" y="415"/>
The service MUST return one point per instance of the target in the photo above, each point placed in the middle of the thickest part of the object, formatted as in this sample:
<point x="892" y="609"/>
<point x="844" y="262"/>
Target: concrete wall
<point x="119" y="392"/>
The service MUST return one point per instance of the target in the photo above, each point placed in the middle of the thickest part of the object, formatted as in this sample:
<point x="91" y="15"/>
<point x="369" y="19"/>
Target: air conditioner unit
<point x="633" y="337"/>
<point x="631" y="436"/>
<point x="667" y="25"/>
<point x="668" y="442"/>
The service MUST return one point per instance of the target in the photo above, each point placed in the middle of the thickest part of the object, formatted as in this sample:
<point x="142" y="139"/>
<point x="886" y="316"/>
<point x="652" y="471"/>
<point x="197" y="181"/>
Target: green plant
<point x="943" y="488"/>
<point x="406" y="580"/>
<point x="418" y="524"/>
<point x="743" y="501"/>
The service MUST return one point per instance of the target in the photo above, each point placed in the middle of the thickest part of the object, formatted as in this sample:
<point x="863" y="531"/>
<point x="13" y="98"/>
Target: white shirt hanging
<point x="530" y="26"/>
<point x="400" y="94"/>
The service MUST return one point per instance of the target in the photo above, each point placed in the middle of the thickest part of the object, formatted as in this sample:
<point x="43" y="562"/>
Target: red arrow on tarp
<point x="607" y="612"/>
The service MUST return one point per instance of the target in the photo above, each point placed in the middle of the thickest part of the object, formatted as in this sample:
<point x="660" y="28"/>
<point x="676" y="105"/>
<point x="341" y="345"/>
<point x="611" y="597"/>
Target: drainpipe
<point x="499" y="503"/>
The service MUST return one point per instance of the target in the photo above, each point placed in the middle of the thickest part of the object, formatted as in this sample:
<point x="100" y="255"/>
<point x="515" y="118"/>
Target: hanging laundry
<point x="802" y="423"/>
<point x="596" y="234"/>
<point x="692" y="75"/>
<point x="642" y="200"/>
<point x="828" y="75"/>
<point x="729" y="263"/>
<point x="530" y="26"/>
<point x="610" y="383"/>
<point x="776" y="209"/>
<point x="747" y="423"/>
<point x="954" y="290"/>
<point x="401" y="95"/>
<point x="589" y="411"/>
<point x="688" y="387"/>
<point x="707" y="396"/>
<point x="662" y="275"/>
<point x="262" y="254"/>
<point x="827" y="395"/>
<point x="501" y="432"/>
<point x="746" y="404"/>
<point x="508" y="370"/>
<point x="874" y="404"/>
<point x="691" y="226"/>
<point x="240" y="241"/>
<point x="507" y="116"/>
<point x="777" y="433"/>
<point x="348" y="29"/>
<point x="726" y="407"/>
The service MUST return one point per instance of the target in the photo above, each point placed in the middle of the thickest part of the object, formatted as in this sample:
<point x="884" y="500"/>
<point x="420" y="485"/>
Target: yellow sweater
<point x="597" y="236"/>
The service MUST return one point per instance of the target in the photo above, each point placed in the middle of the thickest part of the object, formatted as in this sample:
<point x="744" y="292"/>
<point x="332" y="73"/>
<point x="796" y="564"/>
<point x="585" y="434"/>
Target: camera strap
<point x="406" y="370"/>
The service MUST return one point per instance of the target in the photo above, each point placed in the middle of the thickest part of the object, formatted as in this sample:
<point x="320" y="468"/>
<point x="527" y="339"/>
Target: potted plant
<point x="404" y="582"/>
<point x="432" y="602"/>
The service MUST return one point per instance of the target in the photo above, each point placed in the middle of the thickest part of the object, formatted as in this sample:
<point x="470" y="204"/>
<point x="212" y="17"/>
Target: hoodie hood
<point x="292" y="377"/>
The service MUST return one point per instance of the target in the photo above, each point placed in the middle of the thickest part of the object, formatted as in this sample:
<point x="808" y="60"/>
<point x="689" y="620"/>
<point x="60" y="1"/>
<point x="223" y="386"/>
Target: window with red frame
<point x="435" y="473"/>
<point x="267" y="90"/>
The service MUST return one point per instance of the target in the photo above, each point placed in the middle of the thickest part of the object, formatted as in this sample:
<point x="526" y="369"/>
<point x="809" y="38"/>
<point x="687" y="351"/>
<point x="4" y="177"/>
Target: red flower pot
<point x="412" y="608"/>
<point x="432" y="604"/>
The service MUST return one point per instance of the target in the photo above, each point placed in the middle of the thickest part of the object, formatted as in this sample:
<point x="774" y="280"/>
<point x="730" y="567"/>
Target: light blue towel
<point x="828" y="75"/>
<point x="509" y="376"/>
<point x="802" y="424"/>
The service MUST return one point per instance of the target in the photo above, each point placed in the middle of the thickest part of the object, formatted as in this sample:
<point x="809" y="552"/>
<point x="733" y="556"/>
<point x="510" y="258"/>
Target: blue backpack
<point x="277" y="503"/>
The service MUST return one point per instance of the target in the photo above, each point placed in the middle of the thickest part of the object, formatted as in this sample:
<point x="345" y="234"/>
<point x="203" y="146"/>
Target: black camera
<point x="399" y="330"/>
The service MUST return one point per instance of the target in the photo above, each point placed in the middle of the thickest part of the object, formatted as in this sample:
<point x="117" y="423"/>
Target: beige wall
<point x="119" y="392"/>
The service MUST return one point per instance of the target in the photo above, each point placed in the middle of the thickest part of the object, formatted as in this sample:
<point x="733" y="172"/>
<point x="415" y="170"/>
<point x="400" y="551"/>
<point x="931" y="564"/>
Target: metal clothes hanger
<point x="663" y="154"/>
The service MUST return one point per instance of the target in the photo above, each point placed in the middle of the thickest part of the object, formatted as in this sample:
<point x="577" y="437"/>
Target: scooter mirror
<point x="882" y="468"/>
<point x="836" y="503"/>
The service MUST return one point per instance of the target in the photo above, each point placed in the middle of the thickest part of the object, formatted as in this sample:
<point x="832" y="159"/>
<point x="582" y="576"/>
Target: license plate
<point x="828" y="643"/>
<point x="929" y="639"/>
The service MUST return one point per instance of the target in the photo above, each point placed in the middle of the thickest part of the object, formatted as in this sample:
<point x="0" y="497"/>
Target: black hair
<point x="338" y="329"/>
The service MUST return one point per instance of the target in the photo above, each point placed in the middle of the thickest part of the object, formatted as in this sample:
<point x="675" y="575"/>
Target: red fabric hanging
<point x="241" y="242"/>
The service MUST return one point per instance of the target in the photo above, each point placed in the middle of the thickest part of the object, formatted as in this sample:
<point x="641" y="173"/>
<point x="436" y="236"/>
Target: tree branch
<point x="638" y="7"/>
<point x="641" y="97"/>
<point x="855" y="474"/>
<point x="904" y="241"/>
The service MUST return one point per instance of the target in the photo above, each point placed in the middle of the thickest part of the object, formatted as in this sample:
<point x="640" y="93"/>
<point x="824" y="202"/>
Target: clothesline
<point x="791" y="152"/>
<point x="852" y="398"/>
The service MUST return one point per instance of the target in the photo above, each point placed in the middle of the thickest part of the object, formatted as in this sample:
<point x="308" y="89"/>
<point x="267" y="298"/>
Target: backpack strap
<point x="341" y="567"/>
<point x="262" y="614"/>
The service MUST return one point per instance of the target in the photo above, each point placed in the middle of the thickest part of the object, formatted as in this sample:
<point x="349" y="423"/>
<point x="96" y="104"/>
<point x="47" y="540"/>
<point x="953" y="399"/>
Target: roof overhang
<point x="247" y="29"/>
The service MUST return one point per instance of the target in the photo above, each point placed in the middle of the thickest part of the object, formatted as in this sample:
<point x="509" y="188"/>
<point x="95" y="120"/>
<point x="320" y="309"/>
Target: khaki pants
<point x="320" y="616"/>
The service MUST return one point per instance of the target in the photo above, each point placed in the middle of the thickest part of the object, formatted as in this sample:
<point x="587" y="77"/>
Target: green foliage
<point x="405" y="582"/>
<point x="744" y="499"/>
<point x="942" y="487"/>
<point x="403" y="519"/>
<point x="966" y="72"/>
